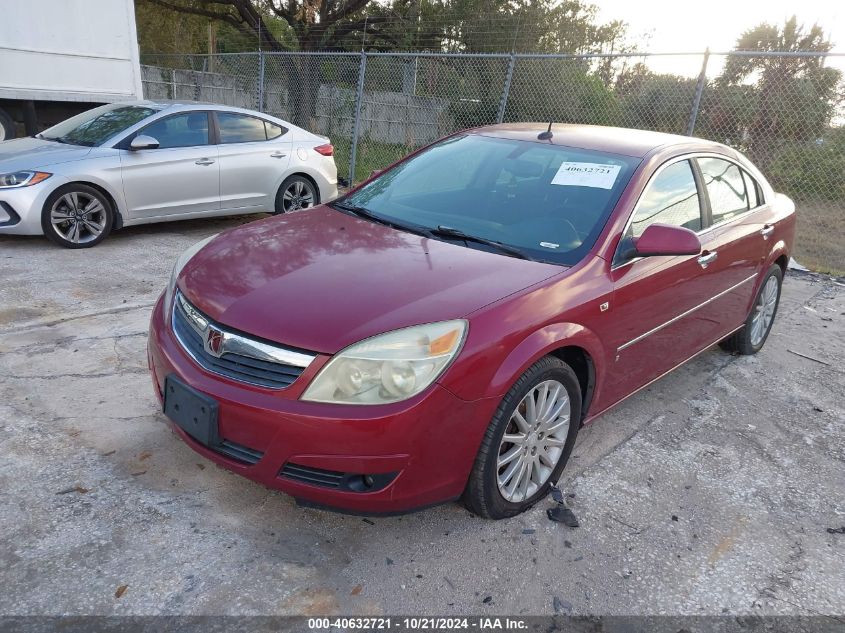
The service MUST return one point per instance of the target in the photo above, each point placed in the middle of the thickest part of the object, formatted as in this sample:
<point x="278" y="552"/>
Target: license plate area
<point x="192" y="411"/>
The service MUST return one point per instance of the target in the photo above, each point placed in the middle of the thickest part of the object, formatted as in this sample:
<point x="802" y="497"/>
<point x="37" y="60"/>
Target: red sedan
<point x="444" y="330"/>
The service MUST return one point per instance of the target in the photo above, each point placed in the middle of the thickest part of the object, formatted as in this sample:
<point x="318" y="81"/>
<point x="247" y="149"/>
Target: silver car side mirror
<point x="143" y="141"/>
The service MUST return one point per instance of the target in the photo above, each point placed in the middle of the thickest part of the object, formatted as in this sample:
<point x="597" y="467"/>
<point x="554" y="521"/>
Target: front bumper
<point x="418" y="452"/>
<point x="20" y="209"/>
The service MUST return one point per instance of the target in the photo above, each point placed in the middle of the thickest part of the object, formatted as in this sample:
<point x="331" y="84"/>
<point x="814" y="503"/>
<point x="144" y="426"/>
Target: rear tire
<point x="77" y="216"/>
<point x="751" y="338"/>
<point x="8" y="129"/>
<point x="296" y="193"/>
<point x="490" y="492"/>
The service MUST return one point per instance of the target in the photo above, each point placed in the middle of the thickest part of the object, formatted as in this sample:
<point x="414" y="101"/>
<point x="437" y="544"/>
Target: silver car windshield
<point x="96" y="126"/>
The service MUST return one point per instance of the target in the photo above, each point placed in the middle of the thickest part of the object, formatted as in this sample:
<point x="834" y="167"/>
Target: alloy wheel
<point x="298" y="195"/>
<point x="533" y="442"/>
<point x="764" y="311"/>
<point x="78" y="217"/>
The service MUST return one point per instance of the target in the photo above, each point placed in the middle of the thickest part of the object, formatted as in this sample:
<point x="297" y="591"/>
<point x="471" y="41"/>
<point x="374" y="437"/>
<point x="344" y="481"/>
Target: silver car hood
<point x="33" y="153"/>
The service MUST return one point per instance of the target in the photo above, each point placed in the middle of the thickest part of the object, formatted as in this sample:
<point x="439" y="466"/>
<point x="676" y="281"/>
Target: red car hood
<point x="321" y="280"/>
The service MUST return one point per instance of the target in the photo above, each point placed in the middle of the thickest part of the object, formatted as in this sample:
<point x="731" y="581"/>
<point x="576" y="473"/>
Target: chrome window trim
<point x="704" y="231"/>
<point x="639" y="338"/>
<point x="236" y="343"/>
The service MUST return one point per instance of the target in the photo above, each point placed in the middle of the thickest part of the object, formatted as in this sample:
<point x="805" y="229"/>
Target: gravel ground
<point x="711" y="492"/>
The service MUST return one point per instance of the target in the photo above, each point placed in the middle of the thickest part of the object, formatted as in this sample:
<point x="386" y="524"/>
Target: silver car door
<point x="181" y="176"/>
<point x="254" y="156"/>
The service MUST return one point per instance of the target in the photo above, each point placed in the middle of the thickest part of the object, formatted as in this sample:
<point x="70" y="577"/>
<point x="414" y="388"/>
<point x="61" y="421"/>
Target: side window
<point x="180" y="130"/>
<point x="755" y="194"/>
<point x="725" y="188"/>
<point x="273" y="130"/>
<point x="671" y="198"/>
<point x="238" y="128"/>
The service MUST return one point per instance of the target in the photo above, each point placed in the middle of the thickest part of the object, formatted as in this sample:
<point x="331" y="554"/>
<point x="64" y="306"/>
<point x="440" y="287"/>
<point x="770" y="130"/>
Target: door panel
<point x="181" y="176"/>
<point x="250" y="174"/>
<point x="737" y="240"/>
<point x="656" y="299"/>
<point x="658" y="325"/>
<point x="251" y="166"/>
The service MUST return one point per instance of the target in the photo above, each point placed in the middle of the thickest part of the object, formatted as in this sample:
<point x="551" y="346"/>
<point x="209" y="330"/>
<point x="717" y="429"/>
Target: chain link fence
<point x="784" y="110"/>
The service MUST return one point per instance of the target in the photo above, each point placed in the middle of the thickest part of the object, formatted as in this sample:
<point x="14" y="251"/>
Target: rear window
<point x="237" y="128"/>
<point x="725" y="188"/>
<point x="549" y="201"/>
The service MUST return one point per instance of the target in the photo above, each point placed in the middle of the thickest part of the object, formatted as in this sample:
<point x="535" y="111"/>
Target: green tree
<point x="776" y="99"/>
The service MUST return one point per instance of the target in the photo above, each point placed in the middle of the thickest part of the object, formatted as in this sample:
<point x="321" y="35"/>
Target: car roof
<point x="616" y="140"/>
<point x="176" y="105"/>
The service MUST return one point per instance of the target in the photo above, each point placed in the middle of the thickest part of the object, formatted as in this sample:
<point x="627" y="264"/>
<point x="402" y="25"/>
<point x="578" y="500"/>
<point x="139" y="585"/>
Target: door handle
<point x="278" y="155"/>
<point x="204" y="161"/>
<point x="707" y="258"/>
<point x="766" y="231"/>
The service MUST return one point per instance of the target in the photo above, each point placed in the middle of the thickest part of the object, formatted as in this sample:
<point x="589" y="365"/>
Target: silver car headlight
<point x="181" y="261"/>
<point x="389" y="367"/>
<point x="24" y="178"/>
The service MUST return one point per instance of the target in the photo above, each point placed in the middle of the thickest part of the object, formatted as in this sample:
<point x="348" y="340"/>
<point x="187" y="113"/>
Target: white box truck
<point x="61" y="57"/>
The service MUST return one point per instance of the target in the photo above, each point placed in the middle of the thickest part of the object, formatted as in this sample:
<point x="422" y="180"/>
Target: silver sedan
<point x="140" y="162"/>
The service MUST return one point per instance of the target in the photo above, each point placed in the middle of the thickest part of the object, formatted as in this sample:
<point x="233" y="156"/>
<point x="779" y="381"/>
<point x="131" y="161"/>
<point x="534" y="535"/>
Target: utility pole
<point x="212" y="44"/>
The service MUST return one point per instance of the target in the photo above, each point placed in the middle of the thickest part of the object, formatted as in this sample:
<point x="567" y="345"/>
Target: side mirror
<point x="664" y="239"/>
<point x="143" y="141"/>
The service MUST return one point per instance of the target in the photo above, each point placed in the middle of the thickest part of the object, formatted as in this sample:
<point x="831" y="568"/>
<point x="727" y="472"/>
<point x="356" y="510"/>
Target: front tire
<point x="296" y="193"/>
<point x="751" y="338"/>
<point x="528" y="442"/>
<point x="77" y="216"/>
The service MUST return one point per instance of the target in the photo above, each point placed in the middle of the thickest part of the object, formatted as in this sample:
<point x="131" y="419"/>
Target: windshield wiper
<point x="448" y="231"/>
<point x="364" y="212"/>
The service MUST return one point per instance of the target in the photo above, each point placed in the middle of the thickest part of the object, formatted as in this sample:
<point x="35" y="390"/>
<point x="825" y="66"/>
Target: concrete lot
<point x="710" y="492"/>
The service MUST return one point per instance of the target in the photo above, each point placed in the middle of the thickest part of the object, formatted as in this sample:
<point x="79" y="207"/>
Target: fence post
<point x="699" y="89"/>
<point x="261" y="81"/>
<point x="503" y="102"/>
<point x="356" y="121"/>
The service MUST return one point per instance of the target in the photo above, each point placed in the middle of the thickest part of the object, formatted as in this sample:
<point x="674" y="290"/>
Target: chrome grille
<point x="233" y="355"/>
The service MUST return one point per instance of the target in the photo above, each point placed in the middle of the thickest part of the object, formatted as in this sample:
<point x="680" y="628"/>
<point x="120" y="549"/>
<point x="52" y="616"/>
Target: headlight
<point x="388" y="367"/>
<point x="183" y="259"/>
<point x="22" y="179"/>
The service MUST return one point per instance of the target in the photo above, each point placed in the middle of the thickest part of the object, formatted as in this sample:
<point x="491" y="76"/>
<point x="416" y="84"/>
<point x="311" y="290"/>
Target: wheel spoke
<point x="560" y="423"/>
<point x="93" y="207"/>
<point x="542" y="397"/>
<point x="513" y="468"/>
<point x="513" y="438"/>
<point x="520" y="421"/>
<point x="288" y="194"/>
<point x="57" y="217"/>
<point x="93" y="227"/>
<point x="552" y="402"/>
<point x="530" y="409"/>
<point x="509" y="456"/>
<point x="557" y="412"/>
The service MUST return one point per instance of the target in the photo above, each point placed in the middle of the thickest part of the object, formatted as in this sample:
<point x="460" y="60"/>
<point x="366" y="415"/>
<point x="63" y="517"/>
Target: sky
<point x="683" y="26"/>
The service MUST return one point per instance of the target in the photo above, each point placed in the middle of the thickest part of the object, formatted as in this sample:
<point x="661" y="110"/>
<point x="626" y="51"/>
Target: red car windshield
<point x="546" y="202"/>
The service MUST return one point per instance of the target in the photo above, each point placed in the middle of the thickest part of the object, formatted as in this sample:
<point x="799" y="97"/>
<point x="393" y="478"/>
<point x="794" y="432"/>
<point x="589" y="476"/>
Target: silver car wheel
<point x="78" y="217"/>
<point x="533" y="442"/>
<point x="298" y="195"/>
<point x="764" y="311"/>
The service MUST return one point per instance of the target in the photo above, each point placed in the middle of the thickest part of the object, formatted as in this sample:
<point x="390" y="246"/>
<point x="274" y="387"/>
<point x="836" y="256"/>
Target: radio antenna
<point x="547" y="135"/>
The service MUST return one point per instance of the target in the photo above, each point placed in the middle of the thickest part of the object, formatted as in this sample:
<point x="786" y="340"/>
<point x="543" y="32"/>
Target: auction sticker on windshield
<point x="596" y="175"/>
